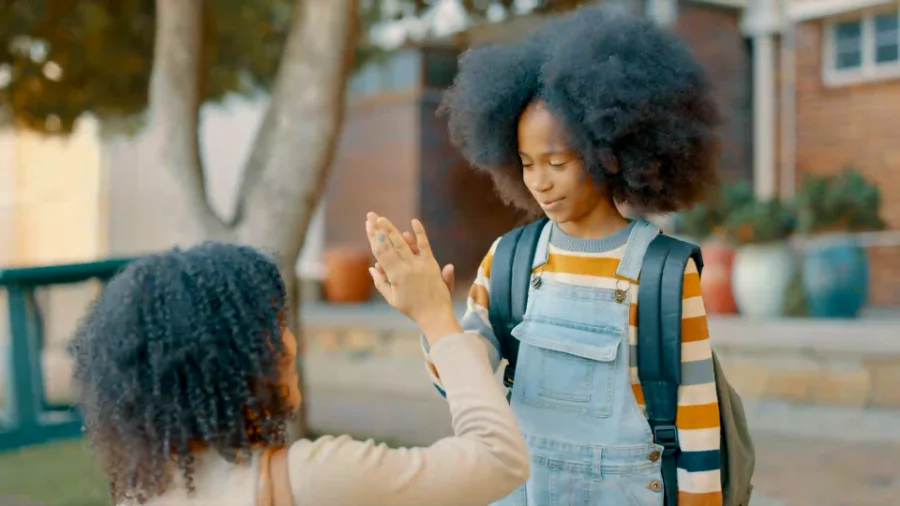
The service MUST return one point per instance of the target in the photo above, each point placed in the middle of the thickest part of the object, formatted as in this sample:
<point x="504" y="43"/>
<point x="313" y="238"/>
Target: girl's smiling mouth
<point x="550" y="204"/>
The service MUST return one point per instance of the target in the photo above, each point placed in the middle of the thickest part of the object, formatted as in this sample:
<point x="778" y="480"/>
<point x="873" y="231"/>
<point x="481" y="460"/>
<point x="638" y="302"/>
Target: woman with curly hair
<point x="594" y="111"/>
<point x="186" y="380"/>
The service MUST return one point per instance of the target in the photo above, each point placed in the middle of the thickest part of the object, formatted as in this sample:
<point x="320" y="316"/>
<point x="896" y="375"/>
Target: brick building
<point x="829" y="96"/>
<point x="394" y="158"/>
<point x="805" y="86"/>
<point x="394" y="155"/>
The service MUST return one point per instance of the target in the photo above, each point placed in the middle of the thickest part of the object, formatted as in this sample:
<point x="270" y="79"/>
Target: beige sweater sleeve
<point x="484" y="461"/>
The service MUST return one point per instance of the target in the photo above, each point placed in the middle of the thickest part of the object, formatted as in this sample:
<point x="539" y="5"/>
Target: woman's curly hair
<point x="181" y="352"/>
<point x="637" y="106"/>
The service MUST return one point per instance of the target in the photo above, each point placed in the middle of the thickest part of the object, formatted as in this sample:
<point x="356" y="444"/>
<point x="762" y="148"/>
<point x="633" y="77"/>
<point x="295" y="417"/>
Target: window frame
<point x="869" y="70"/>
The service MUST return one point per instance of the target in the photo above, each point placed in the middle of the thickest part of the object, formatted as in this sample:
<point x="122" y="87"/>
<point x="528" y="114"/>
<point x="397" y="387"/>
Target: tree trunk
<point x="288" y="165"/>
<point x="174" y="106"/>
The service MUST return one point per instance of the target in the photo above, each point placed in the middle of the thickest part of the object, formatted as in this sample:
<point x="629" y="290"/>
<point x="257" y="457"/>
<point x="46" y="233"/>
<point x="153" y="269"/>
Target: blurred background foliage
<point x="60" y="59"/>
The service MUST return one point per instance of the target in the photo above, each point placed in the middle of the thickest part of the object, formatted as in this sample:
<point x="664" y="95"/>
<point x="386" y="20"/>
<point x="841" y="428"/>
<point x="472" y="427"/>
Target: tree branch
<point x="293" y="151"/>
<point x="175" y="99"/>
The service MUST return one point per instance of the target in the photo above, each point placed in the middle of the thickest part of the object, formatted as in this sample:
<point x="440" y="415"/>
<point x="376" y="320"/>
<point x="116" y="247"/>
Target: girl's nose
<point x="540" y="180"/>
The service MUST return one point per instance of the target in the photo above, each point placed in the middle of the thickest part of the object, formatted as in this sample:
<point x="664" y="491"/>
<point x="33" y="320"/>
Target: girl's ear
<point x="609" y="161"/>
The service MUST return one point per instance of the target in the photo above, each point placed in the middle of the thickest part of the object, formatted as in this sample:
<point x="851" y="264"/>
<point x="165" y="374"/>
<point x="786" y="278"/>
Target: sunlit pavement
<point x="795" y="471"/>
<point x="760" y="499"/>
<point x="792" y="470"/>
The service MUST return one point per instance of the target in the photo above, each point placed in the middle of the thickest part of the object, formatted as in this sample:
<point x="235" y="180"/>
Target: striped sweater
<point x="593" y="262"/>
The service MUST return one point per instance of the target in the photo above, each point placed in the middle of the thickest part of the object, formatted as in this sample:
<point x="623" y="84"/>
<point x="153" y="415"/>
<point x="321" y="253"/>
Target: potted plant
<point x="346" y="279"/>
<point x="704" y="224"/>
<point x="835" y="264"/>
<point x="764" y="262"/>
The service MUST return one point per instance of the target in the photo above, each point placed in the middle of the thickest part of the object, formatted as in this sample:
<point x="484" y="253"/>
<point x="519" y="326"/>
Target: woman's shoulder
<point x="216" y="481"/>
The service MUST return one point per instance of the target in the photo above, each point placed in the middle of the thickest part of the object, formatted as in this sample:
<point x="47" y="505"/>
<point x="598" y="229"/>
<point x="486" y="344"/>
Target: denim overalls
<point x="590" y="443"/>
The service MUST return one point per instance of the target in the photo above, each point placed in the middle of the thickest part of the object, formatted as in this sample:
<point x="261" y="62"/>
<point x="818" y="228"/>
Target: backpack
<point x="659" y="350"/>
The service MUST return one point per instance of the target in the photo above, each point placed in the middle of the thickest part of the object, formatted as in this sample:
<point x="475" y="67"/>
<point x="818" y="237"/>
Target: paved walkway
<point x="793" y="471"/>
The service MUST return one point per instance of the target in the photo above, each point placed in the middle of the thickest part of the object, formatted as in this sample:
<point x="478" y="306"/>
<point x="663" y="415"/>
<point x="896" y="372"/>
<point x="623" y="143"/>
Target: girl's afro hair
<point x="637" y="106"/>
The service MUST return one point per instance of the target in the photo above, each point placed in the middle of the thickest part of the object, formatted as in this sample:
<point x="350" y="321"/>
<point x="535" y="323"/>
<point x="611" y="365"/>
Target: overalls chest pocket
<point x="570" y="339"/>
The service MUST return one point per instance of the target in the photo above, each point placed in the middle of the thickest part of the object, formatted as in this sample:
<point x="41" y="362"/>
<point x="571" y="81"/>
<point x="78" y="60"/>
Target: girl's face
<point x="552" y="171"/>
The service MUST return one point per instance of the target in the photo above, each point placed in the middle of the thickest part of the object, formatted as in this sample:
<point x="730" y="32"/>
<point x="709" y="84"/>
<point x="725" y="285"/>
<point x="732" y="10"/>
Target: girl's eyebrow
<point x="547" y="153"/>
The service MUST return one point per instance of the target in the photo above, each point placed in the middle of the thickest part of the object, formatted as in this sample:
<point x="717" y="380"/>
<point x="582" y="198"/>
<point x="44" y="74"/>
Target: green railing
<point x="29" y="419"/>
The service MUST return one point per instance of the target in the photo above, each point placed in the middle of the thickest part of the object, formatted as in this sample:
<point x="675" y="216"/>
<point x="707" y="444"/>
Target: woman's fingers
<point x="371" y="232"/>
<point x="449" y="279"/>
<point x="411" y="241"/>
<point x="409" y="237"/>
<point x="394" y="239"/>
<point x="421" y="237"/>
<point x="386" y="254"/>
<point x="381" y="246"/>
<point x="371" y="218"/>
<point x="381" y="283"/>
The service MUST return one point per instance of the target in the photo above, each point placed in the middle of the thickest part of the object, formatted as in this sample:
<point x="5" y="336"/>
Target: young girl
<point x="186" y="376"/>
<point x="593" y="111"/>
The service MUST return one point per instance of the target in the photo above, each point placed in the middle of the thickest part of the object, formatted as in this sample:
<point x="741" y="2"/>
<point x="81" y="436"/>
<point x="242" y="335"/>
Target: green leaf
<point x="761" y="221"/>
<point x="843" y="202"/>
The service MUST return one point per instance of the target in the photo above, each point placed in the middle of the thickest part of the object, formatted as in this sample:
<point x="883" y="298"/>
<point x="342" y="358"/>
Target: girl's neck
<point x="601" y="221"/>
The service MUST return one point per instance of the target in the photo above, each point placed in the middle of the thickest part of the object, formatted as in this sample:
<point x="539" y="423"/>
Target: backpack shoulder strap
<point x="659" y="344"/>
<point x="510" y="275"/>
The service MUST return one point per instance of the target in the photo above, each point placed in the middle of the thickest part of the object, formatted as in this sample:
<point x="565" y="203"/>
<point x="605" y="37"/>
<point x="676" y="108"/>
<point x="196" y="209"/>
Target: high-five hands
<point x="447" y="272"/>
<point x="409" y="277"/>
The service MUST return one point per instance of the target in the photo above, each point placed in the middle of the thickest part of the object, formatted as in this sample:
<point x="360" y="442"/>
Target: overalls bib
<point x="590" y="443"/>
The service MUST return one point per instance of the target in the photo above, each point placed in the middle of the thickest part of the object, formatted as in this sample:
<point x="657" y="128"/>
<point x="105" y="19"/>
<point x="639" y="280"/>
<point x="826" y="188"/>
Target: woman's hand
<point x="411" y="281"/>
<point x="448" y="272"/>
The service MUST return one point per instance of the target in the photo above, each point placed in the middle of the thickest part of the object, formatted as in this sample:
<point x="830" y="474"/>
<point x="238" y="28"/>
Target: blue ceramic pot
<point x="835" y="277"/>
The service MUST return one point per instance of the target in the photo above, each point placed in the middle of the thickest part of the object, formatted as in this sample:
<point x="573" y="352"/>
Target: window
<point x="848" y="45"/>
<point x="887" y="38"/>
<point x="864" y="47"/>
<point x="399" y="72"/>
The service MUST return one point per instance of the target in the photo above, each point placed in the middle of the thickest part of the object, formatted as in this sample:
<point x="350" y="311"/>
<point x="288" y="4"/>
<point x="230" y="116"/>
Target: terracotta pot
<point x="347" y="279"/>
<point x="718" y="263"/>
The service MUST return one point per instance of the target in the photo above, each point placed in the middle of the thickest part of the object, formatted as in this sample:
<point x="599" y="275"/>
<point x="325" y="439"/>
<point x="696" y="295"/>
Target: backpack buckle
<point x="509" y="375"/>
<point x="667" y="437"/>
